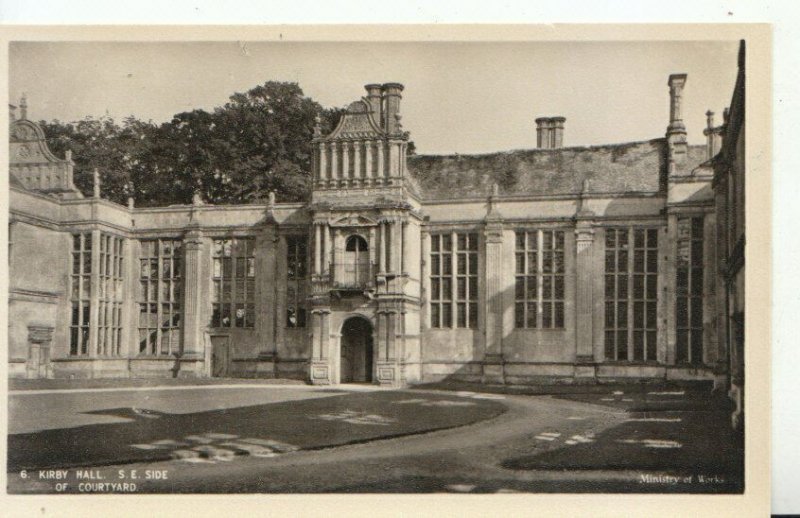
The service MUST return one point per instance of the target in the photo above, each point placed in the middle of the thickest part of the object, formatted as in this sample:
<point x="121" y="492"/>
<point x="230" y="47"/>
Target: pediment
<point x="354" y="221"/>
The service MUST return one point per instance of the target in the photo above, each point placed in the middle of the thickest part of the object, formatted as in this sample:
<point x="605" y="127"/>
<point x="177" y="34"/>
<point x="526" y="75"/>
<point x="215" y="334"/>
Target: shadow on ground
<point x="151" y="436"/>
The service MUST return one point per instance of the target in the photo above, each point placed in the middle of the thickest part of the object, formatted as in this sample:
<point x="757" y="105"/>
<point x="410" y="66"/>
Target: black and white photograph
<point x="243" y="266"/>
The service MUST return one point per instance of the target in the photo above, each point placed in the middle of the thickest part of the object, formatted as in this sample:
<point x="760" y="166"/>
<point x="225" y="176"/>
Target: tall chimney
<point x="557" y="130"/>
<point x="12" y="113"/>
<point x="543" y="133"/>
<point x="391" y="99"/>
<point x="712" y="135"/>
<point x="676" y="83"/>
<point x="374" y="99"/>
<point x="677" y="148"/>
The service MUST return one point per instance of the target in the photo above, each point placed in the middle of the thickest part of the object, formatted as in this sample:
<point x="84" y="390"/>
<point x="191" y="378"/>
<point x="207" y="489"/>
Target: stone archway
<point x="357" y="354"/>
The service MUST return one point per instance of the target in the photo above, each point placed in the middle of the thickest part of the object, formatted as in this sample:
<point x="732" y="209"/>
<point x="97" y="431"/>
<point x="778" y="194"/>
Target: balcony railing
<point x="353" y="275"/>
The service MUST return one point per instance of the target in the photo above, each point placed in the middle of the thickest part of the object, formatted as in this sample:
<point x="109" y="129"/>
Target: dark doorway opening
<point x="357" y="351"/>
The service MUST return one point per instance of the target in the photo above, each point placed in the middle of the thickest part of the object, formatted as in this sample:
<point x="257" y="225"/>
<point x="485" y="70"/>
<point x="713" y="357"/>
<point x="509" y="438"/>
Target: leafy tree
<point x="259" y="141"/>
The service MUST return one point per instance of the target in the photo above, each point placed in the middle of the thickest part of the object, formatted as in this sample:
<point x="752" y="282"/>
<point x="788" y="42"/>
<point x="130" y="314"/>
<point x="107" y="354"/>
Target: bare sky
<point x="459" y="97"/>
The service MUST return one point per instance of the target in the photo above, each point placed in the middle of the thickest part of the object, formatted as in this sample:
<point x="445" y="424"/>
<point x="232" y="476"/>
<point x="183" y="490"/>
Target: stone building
<point x="554" y="264"/>
<point x="729" y="181"/>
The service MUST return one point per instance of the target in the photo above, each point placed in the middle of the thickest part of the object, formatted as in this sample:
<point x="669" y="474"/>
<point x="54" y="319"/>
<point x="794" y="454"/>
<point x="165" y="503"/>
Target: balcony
<point x="353" y="276"/>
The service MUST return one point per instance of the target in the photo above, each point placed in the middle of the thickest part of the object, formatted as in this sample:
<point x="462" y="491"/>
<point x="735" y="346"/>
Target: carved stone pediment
<point x="354" y="221"/>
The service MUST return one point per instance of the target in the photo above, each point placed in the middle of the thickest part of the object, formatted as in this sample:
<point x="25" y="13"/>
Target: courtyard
<point x="238" y="436"/>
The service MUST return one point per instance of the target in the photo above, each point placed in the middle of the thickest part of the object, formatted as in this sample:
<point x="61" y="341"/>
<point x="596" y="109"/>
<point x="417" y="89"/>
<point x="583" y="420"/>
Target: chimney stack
<point x="12" y="113"/>
<point x="557" y="131"/>
<point x="712" y="135"/>
<point x="676" y="83"/>
<point x="550" y="132"/>
<point x="391" y="93"/>
<point x="374" y="99"/>
<point x="677" y="147"/>
<point x="542" y="133"/>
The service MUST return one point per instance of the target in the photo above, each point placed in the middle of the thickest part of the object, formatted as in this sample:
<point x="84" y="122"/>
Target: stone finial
<point x="317" y="126"/>
<point x="271" y="199"/>
<point x="23" y="107"/>
<point x="585" y="186"/>
<point x="12" y="113"/>
<point x="495" y="189"/>
<point x="709" y="119"/>
<point x="96" y="183"/>
<point x="197" y="199"/>
<point x="131" y="203"/>
<point x="68" y="155"/>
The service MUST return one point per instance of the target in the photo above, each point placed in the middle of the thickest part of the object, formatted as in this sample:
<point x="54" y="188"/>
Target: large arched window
<point x="356" y="244"/>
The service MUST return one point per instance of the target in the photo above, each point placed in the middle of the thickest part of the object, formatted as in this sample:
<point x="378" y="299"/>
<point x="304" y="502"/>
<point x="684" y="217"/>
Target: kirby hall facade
<point x="554" y="264"/>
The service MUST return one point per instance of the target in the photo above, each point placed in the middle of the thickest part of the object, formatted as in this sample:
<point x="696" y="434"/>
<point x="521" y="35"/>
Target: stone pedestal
<point x="493" y="370"/>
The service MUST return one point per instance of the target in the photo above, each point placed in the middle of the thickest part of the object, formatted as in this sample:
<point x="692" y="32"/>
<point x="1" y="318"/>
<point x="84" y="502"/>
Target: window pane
<point x="447" y="264"/>
<point x="547" y="315"/>
<point x="519" y="314"/>
<point x="447" y="311"/>
<point x="435" y="315"/>
<point x="559" y="287"/>
<point x="520" y="288"/>
<point x="462" y="314"/>
<point x="435" y="290"/>
<point x="435" y="265"/>
<point x="473" y="316"/>
<point x="520" y="240"/>
<point x="532" y="288"/>
<point x="559" y="314"/>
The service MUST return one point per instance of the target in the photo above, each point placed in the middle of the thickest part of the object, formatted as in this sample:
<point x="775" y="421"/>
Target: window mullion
<point x="539" y="278"/>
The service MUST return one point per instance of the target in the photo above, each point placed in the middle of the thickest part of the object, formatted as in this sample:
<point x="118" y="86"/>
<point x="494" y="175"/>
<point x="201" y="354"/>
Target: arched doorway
<point x="356" y="351"/>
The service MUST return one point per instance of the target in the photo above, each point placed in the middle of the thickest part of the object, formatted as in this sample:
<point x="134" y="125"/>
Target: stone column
<point x="397" y="245"/>
<point x="338" y="254"/>
<point x="267" y="278"/>
<point x="368" y="161"/>
<point x="584" y="300"/>
<point x="407" y="248"/>
<point x="394" y="159"/>
<point x="317" y="248"/>
<point x="323" y="161"/>
<point x="193" y="344"/>
<point x="493" y="275"/>
<point x="382" y="250"/>
<point x="334" y="162"/>
<point x="94" y="296"/>
<point x="425" y="279"/>
<point x="381" y="167"/>
<point x="326" y="259"/>
<point x="346" y="146"/>
<point x="357" y="147"/>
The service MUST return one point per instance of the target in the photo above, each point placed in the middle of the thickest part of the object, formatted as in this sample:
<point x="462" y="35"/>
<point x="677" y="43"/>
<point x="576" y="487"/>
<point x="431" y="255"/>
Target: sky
<point x="458" y="98"/>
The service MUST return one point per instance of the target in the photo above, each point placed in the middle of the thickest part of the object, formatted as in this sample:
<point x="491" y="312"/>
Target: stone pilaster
<point x="267" y="279"/>
<point x="193" y="343"/>
<point x="94" y="295"/>
<point x="584" y="300"/>
<point x="493" y="371"/>
<point x="321" y="365"/>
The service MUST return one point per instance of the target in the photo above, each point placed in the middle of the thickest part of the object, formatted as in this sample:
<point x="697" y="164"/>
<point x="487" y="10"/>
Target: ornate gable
<point x="357" y="123"/>
<point x="34" y="166"/>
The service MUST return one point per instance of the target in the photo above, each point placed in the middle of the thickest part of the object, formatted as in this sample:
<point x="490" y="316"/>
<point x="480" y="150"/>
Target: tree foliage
<point x="259" y="141"/>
